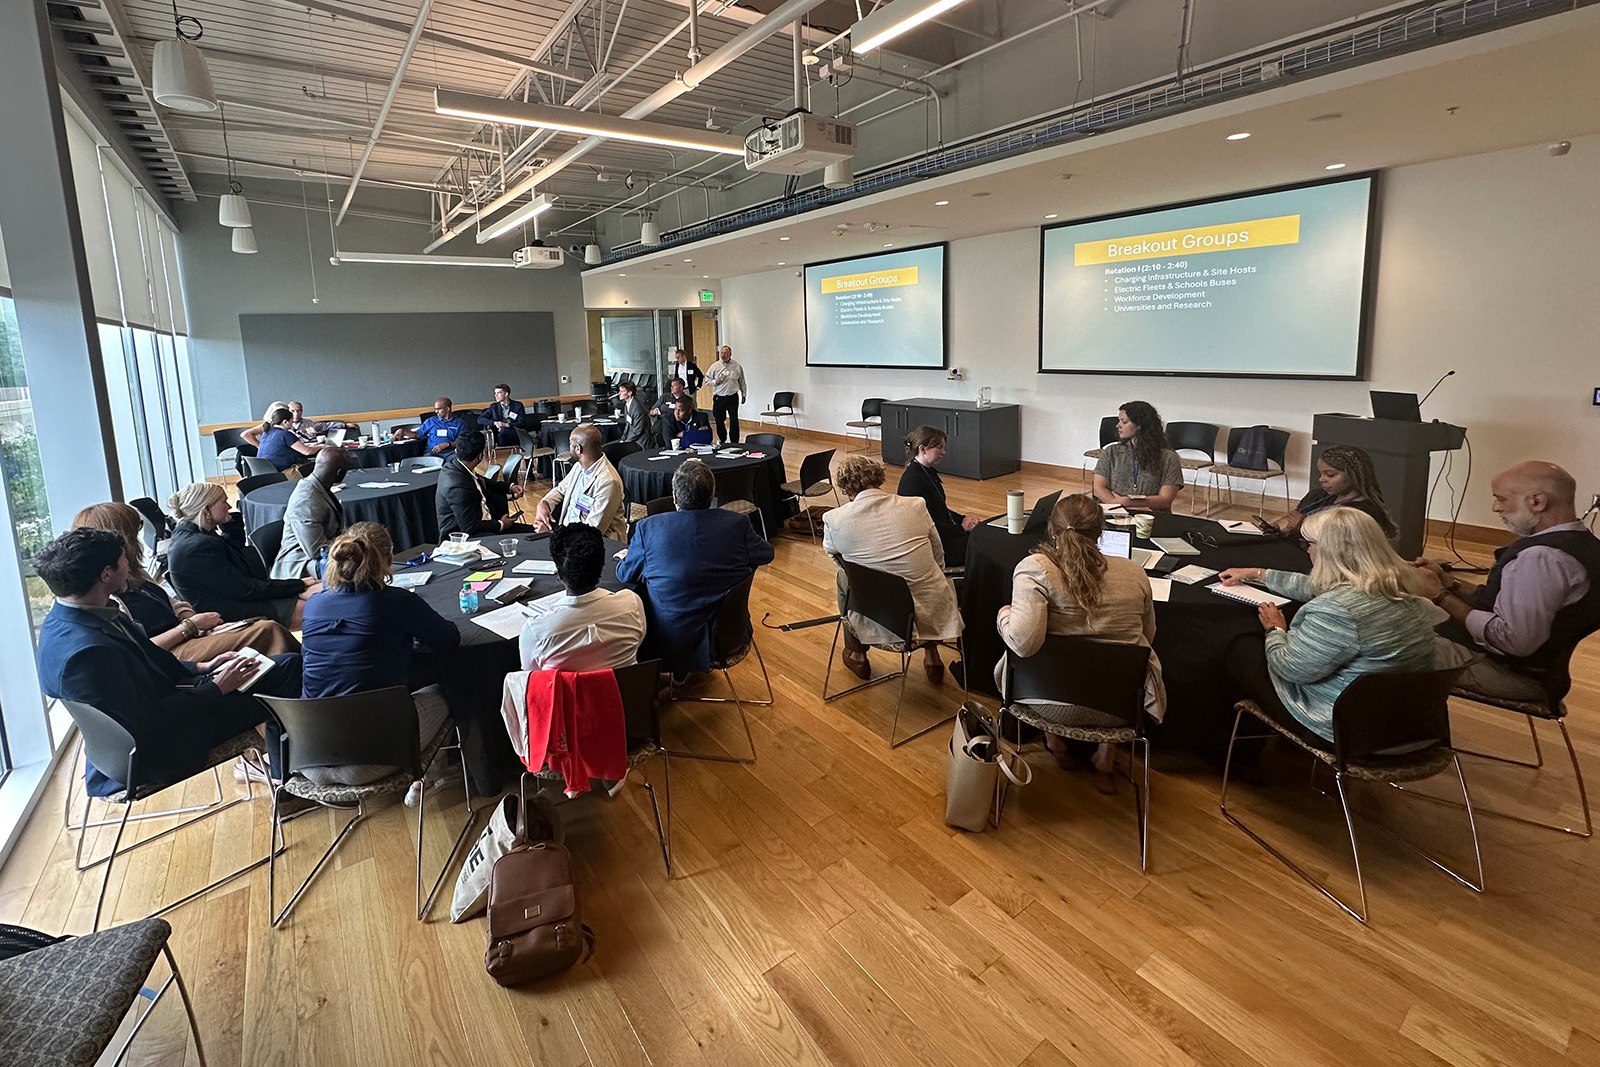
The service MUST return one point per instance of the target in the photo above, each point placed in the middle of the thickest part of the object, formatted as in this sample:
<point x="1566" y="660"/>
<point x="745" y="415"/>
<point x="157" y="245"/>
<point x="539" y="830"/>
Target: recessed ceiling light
<point x="1051" y="215"/>
<point x="976" y="195"/>
<point x="889" y="244"/>
<point x="686" y="259"/>
<point x="781" y="263"/>
<point x="1330" y="116"/>
<point x="1334" y="166"/>
<point x="705" y="275"/>
<point x="622" y="275"/>
<point x="1240" y="136"/>
<point x="783" y="238"/>
<point x="941" y="203"/>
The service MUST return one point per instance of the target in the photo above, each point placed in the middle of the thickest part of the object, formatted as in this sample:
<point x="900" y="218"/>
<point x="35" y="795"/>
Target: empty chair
<point x="815" y="479"/>
<point x="231" y="440"/>
<point x="530" y="447"/>
<point x="659" y="506"/>
<point x="561" y="445"/>
<point x="246" y="486"/>
<point x="871" y="419"/>
<point x="1277" y="446"/>
<point x="254" y="465"/>
<point x="267" y="540"/>
<point x="1392" y="728"/>
<point x="1194" y="437"/>
<point x="375" y="727"/>
<point x="1106" y="678"/>
<point x="782" y="404"/>
<point x="1108" y="434"/>
<point x="427" y="463"/>
<point x="765" y="442"/>
<point x="736" y="491"/>
<point x="615" y="450"/>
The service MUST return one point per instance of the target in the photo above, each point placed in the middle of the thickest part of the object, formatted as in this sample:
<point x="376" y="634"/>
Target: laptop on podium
<point x="1401" y="407"/>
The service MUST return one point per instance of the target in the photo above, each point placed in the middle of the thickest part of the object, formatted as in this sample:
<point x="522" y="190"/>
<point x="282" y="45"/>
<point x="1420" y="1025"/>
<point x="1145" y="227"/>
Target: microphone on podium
<point x="1436" y="385"/>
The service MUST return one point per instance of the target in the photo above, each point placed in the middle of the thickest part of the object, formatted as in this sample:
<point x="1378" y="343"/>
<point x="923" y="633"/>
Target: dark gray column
<point x="49" y="272"/>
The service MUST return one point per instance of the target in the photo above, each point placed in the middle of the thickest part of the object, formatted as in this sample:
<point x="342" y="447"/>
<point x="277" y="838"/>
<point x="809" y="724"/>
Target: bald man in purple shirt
<point x="1542" y="596"/>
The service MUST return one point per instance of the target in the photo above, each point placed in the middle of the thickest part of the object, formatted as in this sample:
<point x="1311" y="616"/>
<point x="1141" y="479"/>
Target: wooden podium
<point x="1400" y="453"/>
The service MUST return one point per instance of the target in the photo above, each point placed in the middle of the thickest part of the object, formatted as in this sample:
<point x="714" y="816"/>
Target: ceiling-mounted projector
<point x="799" y="144"/>
<point x="538" y="257"/>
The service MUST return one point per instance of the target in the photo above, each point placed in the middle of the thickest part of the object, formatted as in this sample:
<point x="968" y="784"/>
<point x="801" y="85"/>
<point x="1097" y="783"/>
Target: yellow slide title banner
<point x="1229" y="237"/>
<point x="877" y="279"/>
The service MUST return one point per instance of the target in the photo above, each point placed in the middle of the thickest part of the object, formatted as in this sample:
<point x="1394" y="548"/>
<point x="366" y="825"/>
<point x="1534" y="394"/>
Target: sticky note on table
<point x="484" y="576"/>
<point x="478" y="587"/>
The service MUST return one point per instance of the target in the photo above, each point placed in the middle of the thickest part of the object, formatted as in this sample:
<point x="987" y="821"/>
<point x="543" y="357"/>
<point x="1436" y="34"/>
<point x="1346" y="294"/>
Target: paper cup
<point x="1014" y="512"/>
<point x="1144" y="525"/>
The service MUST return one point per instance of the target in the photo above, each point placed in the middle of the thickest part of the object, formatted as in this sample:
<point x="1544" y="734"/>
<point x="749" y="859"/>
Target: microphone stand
<point x="1435" y="388"/>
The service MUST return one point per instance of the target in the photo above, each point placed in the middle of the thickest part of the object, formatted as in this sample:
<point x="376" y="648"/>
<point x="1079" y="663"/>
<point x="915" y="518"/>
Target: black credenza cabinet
<point x="983" y="442"/>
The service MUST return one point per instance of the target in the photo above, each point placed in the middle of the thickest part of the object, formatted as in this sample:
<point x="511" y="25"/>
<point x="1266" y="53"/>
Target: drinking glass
<point x="508" y="547"/>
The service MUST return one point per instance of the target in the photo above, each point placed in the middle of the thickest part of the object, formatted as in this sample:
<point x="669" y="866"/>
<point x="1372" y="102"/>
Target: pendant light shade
<point x="592" y="254"/>
<point x="839" y="175"/>
<point x="234" y="210"/>
<point x="649" y="233"/>
<point x="244" y="240"/>
<point x="181" y="80"/>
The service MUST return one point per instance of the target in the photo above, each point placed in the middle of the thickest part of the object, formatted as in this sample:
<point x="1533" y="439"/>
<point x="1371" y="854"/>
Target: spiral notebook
<point x="1248" y="594"/>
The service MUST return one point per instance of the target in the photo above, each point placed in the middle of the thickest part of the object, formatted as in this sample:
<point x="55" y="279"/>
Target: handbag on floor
<point x="534" y="925"/>
<point x="499" y="837"/>
<point x="972" y="771"/>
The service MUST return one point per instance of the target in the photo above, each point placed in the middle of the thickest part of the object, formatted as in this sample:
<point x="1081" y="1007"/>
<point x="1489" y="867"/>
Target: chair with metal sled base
<point x="732" y="640"/>
<point x="375" y="727"/>
<point x="884" y="599"/>
<point x="1387" y="728"/>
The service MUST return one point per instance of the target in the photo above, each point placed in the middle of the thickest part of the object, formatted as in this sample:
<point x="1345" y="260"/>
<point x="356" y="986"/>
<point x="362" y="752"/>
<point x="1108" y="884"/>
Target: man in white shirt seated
<point x="591" y="493"/>
<point x="585" y="628"/>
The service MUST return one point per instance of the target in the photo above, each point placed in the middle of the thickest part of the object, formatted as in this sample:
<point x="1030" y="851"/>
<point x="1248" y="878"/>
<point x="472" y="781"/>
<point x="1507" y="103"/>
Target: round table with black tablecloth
<point x="1193" y="627"/>
<point x="364" y="458"/>
<point x="472" y="675"/>
<point x="406" y="511"/>
<point x="648" y="475"/>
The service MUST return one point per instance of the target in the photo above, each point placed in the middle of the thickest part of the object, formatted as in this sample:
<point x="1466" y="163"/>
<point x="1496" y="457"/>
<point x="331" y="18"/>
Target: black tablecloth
<point x="407" y="512"/>
<point x="1193" y="627"/>
<point x="383" y="455"/>
<point x="645" y="478"/>
<point x="472" y="675"/>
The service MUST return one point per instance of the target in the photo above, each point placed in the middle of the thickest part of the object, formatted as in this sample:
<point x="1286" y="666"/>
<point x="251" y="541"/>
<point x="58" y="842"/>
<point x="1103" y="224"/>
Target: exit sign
<point x="707" y="296"/>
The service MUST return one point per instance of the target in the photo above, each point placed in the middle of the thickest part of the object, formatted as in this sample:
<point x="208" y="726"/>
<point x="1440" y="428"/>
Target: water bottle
<point x="469" y="599"/>
<point x="322" y="563"/>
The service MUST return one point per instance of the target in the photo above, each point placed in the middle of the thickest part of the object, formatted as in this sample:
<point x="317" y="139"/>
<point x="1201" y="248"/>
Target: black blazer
<point x="457" y="501"/>
<point x="917" y="480"/>
<point x="639" y="428"/>
<point x="215" y="574"/>
<point x="696" y="377"/>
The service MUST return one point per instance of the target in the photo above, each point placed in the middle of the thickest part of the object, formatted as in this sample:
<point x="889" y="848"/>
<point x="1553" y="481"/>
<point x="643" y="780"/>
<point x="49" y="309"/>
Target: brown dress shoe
<point x="934" y="670"/>
<point x="858" y="665"/>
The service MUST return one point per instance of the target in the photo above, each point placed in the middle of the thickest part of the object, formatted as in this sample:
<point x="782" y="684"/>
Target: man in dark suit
<point x="469" y="503"/>
<point x="666" y="421"/>
<point x="636" y="427"/>
<point x="90" y="653"/>
<point x="686" y="370"/>
<point x="503" y="416"/>
<point x="683" y="563"/>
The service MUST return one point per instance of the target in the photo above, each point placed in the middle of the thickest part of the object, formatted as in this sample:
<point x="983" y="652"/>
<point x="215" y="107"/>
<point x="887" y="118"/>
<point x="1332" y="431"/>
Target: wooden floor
<point x="824" y="914"/>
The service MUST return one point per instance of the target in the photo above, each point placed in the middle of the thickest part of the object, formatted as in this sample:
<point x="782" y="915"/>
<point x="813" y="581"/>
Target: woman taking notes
<point x="1345" y="479"/>
<point x="1357" y="619"/>
<point x="1138" y="470"/>
<point x="1066" y="586"/>
<point x="924" y="450"/>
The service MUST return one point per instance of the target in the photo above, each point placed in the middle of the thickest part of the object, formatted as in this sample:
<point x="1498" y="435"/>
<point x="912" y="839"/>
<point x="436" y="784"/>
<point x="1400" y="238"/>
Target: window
<point x="19" y="453"/>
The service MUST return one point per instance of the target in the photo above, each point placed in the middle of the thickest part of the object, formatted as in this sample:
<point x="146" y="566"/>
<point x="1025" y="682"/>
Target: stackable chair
<point x="66" y="997"/>
<point x="1195" y="437"/>
<point x="728" y="649"/>
<point x="255" y="465"/>
<point x="1391" y="728"/>
<point x="616" y="450"/>
<point x="115" y="751"/>
<point x="871" y="419"/>
<point x="816" y="479"/>
<point x="246" y="486"/>
<point x="1103" y="683"/>
<point x="1108" y="434"/>
<point x="267" y="540"/>
<point x="736" y="491"/>
<point x="637" y="512"/>
<point x="426" y="463"/>
<point x="231" y="440"/>
<point x="530" y="447"/>
<point x="1277" y="446"/>
<point x="782" y="405"/>
<point x="770" y="442"/>
<point x="886" y="600"/>
<point x="378" y="726"/>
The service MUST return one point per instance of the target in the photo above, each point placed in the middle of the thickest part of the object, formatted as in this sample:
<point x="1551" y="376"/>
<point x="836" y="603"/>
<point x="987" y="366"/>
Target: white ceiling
<point x="1527" y="85"/>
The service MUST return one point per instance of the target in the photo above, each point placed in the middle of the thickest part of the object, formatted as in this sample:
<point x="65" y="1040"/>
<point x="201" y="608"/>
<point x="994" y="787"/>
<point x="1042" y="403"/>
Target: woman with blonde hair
<point x="172" y="624"/>
<point x="1357" y="618"/>
<point x="358" y="636"/>
<point x="214" y="574"/>
<point x="1067" y="586"/>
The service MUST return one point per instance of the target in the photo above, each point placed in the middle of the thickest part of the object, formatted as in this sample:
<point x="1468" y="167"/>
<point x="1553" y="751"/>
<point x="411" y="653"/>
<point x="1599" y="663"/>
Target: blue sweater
<point x="353" y="641"/>
<point x="1335" y="639"/>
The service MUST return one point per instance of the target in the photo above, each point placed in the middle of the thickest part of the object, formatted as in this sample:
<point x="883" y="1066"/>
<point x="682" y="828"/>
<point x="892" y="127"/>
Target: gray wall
<point x="220" y="285"/>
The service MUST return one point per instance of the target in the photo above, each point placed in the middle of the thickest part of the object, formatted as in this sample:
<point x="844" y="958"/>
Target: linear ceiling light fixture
<point x="568" y="120"/>
<point x="537" y="206"/>
<point x="892" y="19"/>
<point x="432" y="261"/>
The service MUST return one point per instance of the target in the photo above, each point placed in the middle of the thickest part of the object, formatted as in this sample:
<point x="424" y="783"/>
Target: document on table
<point x="1146" y="557"/>
<point x="1193" y="573"/>
<point x="509" y="585"/>
<point x="381" y="485"/>
<point x="535" y="566"/>
<point x="1161" y="589"/>
<point x="504" y="622"/>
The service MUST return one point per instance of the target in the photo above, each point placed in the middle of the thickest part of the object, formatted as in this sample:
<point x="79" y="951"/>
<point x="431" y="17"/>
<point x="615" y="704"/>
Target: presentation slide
<point x="877" y="311"/>
<point x="1266" y="284"/>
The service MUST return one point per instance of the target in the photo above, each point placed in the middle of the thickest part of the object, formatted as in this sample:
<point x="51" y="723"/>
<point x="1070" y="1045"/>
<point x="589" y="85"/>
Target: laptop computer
<point x="1402" y="407"/>
<point x="1038" y="518"/>
<point x="1119" y="543"/>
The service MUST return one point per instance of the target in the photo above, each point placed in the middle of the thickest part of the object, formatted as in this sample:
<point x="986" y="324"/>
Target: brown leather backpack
<point x="534" y="925"/>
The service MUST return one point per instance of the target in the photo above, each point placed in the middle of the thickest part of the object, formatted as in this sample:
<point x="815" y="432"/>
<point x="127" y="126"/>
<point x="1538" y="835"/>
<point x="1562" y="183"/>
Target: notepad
<point x="483" y="576"/>
<point x="509" y="585"/>
<point x="261" y="664"/>
<point x="1175" y="546"/>
<point x="1147" y="558"/>
<point x="1247" y="594"/>
<point x="1238" y="526"/>
<point x="1192" y="573"/>
<point x="1161" y="589"/>
<point x="382" y="485"/>
<point x="412" y="579"/>
<point x="535" y="566"/>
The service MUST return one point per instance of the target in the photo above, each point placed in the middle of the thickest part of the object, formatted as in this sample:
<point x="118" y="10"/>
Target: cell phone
<point x="1263" y="525"/>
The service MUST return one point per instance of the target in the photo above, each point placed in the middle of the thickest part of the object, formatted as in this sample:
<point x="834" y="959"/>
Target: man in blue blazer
<point x="91" y="653"/>
<point x="683" y="563"/>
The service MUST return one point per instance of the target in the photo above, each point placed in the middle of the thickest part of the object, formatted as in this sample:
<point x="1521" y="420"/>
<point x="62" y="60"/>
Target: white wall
<point x="662" y="291"/>
<point x="1486" y="265"/>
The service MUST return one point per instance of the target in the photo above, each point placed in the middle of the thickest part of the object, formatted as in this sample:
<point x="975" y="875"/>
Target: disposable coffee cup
<point x="1144" y="525"/>
<point x="1014" y="513"/>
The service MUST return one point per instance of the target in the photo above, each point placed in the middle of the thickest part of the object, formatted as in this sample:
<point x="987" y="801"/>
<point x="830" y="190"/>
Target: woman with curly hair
<point x="1345" y="479"/>
<point x="1138" y="470"/>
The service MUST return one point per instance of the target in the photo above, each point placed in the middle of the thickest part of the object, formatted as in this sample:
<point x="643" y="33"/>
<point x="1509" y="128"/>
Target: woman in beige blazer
<point x="1067" y="586"/>
<point x="896" y="535"/>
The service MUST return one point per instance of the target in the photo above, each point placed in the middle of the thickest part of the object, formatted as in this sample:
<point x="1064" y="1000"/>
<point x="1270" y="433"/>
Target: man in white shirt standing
<point x="590" y="494"/>
<point x="728" y="390"/>
<point x="585" y="628"/>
